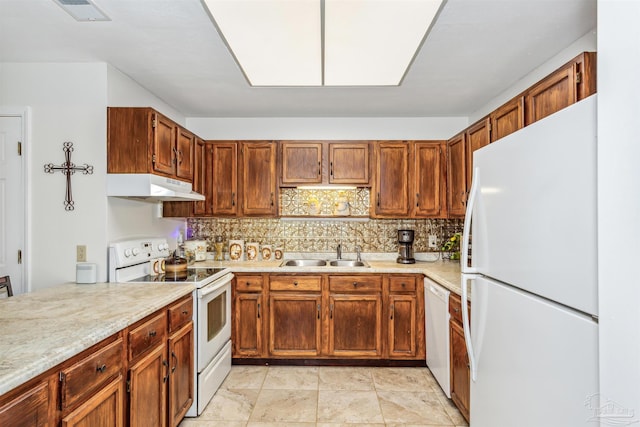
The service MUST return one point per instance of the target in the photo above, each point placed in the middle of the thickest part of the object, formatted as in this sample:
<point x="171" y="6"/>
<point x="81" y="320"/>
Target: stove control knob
<point x="127" y="253"/>
<point x="163" y="246"/>
<point x="136" y="251"/>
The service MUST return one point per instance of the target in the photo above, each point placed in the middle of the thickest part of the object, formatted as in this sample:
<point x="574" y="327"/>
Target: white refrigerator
<point x="532" y="339"/>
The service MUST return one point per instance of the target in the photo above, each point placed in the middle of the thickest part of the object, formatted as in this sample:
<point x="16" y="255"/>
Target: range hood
<point x="149" y="187"/>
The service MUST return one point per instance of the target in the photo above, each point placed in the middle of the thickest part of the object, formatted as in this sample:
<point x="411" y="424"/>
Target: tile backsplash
<point x="323" y="235"/>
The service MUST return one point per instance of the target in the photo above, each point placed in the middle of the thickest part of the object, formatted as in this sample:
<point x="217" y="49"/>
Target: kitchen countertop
<point x="43" y="329"/>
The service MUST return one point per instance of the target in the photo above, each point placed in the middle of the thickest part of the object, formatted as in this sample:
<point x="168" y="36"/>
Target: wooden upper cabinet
<point x="456" y="175"/>
<point x="349" y="163"/>
<point x="184" y="154"/>
<point x="201" y="176"/>
<point x="570" y="83"/>
<point x="301" y="163"/>
<point x="391" y="185"/>
<point x="477" y="136"/>
<point x="259" y="184"/>
<point x="223" y="187"/>
<point x="428" y="173"/>
<point x="141" y="140"/>
<point x="321" y="162"/>
<point x="507" y="119"/>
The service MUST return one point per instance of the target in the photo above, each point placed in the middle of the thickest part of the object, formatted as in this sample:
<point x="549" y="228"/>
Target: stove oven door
<point x="214" y="319"/>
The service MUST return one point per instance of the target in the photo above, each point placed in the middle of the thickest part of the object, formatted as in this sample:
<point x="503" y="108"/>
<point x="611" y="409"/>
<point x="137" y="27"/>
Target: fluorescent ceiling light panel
<point x="373" y="42"/>
<point x="276" y="42"/>
<point x="83" y="10"/>
<point x="323" y="42"/>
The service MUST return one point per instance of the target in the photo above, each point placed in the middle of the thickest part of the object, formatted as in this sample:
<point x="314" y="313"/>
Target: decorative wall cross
<point x="68" y="169"/>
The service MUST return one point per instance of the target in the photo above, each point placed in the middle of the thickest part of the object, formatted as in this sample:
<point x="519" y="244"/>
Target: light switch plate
<point x="81" y="253"/>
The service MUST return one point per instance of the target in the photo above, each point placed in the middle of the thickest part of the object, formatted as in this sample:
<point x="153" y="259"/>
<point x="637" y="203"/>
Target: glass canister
<point x="218" y="247"/>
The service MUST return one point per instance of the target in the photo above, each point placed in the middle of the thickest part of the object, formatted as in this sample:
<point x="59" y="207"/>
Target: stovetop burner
<point x="193" y="275"/>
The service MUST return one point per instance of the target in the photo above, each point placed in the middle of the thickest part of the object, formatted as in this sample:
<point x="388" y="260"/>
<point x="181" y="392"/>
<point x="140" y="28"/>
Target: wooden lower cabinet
<point x="325" y="316"/>
<point x="105" y="408"/>
<point x="147" y="389"/>
<point x="459" y="360"/>
<point x="181" y="373"/>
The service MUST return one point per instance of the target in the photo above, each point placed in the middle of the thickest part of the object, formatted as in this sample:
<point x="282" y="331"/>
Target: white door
<point x="12" y="202"/>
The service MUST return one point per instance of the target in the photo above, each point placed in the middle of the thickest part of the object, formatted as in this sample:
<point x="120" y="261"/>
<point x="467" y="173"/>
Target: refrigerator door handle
<point x="466" y="325"/>
<point x="464" y="258"/>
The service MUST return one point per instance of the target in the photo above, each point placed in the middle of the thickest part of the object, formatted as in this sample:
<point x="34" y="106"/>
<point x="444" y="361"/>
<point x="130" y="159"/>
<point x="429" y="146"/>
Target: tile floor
<point x="292" y="396"/>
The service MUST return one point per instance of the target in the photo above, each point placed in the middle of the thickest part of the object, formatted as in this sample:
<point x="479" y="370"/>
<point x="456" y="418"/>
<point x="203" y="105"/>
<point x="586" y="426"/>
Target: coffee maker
<point x="405" y="247"/>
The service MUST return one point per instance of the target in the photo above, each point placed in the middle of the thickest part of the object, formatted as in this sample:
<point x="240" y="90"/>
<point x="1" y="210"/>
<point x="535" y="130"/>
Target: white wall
<point x="586" y="43"/>
<point x="67" y="104"/>
<point x="327" y="128"/>
<point x="619" y="203"/>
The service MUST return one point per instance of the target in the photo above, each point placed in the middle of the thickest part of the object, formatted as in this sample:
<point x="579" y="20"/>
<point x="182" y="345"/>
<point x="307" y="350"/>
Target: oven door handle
<point x="214" y="286"/>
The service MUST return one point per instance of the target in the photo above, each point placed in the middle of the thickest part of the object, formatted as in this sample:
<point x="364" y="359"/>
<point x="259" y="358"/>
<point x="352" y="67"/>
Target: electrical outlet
<point x="81" y="253"/>
<point x="433" y="241"/>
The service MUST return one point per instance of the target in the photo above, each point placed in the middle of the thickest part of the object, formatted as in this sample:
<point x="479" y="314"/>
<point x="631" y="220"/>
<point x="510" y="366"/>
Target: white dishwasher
<point x="436" y="309"/>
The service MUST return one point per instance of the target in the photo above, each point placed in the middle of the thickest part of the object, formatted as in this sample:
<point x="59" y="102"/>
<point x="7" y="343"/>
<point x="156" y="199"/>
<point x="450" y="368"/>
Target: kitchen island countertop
<point x="42" y="329"/>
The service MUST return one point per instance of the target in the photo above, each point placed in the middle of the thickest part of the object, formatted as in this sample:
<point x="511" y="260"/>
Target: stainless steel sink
<point x="347" y="263"/>
<point x="304" y="263"/>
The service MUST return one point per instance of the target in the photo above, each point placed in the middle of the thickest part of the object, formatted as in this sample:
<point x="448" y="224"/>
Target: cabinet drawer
<point x="360" y="283"/>
<point x="180" y="314"/>
<point x="402" y="284"/>
<point x="295" y="283"/>
<point x="455" y="307"/>
<point x="90" y="373"/>
<point x="147" y="335"/>
<point x="249" y="283"/>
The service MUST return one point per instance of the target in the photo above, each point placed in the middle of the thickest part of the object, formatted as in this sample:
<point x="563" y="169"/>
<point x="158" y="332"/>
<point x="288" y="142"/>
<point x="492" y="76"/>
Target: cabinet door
<point x="224" y="188"/>
<point x="201" y="174"/>
<point x="301" y="163"/>
<point x="294" y="324"/>
<point x="259" y="185"/>
<point x="391" y="190"/>
<point x="551" y="94"/>
<point x="148" y="385"/>
<point x="164" y="137"/>
<point x="33" y="408"/>
<point x="460" y="380"/>
<point x="429" y="177"/>
<point x="477" y="136"/>
<point x="355" y="325"/>
<point x="248" y="311"/>
<point x="105" y="408"/>
<point x="507" y="119"/>
<point x="402" y="326"/>
<point x="456" y="176"/>
<point x="349" y="163"/>
<point x="181" y="373"/>
<point x="185" y="142"/>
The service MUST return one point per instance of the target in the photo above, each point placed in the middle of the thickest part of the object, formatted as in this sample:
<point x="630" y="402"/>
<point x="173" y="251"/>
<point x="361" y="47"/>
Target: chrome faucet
<point x="339" y="251"/>
<point x="358" y="256"/>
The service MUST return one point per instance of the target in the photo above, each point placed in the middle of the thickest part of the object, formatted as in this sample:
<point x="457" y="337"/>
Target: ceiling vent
<point x="82" y="10"/>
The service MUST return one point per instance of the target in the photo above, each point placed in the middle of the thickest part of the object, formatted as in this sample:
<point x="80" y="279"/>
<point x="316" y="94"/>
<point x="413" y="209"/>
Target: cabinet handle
<point x="258" y="310"/>
<point x="392" y="312"/>
<point x="166" y="365"/>
<point x="355" y="284"/>
<point x="152" y="333"/>
<point x="417" y="200"/>
<point x="271" y="199"/>
<point x="331" y="311"/>
<point x="378" y="199"/>
<point x="320" y="170"/>
<point x="181" y="156"/>
<point x="331" y="168"/>
<point x="318" y="311"/>
<point x="185" y="312"/>
<point x="233" y="199"/>
<point x="175" y="156"/>
<point x="457" y="310"/>
<point x="101" y="368"/>
<point x="173" y="356"/>
<point x="295" y="283"/>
